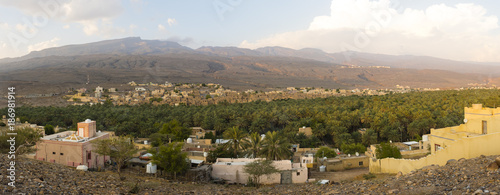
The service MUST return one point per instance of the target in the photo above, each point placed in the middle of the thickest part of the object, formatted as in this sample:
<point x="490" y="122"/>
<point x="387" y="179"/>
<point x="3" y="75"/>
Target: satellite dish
<point x="465" y="120"/>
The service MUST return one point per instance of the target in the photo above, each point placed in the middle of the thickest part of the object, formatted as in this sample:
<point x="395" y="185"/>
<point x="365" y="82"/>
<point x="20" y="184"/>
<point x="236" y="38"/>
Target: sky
<point x="465" y="30"/>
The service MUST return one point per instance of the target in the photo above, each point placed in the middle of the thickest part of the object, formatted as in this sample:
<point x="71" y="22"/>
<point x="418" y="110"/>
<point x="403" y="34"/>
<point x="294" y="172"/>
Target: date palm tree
<point x="252" y="145"/>
<point x="275" y="147"/>
<point x="235" y="136"/>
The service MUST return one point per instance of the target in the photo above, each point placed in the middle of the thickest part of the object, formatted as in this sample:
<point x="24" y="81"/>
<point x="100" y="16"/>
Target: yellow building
<point x="479" y="135"/>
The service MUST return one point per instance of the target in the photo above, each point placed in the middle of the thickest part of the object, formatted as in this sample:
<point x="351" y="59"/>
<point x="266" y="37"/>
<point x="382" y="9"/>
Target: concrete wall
<point x="469" y="147"/>
<point x="340" y="164"/>
<point x="232" y="170"/>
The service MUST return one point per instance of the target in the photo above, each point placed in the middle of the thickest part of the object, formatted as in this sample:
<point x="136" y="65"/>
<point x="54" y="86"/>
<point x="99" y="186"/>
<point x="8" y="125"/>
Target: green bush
<point x="326" y="152"/>
<point x="353" y="148"/>
<point x="369" y="176"/>
<point x="386" y="150"/>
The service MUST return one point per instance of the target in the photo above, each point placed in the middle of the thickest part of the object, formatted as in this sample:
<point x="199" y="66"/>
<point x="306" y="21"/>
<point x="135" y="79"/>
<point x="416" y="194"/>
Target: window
<point x="89" y="155"/>
<point x="53" y="152"/>
<point x="360" y="163"/>
<point x="485" y="127"/>
<point x="437" y="147"/>
<point x="62" y="153"/>
<point x="298" y="173"/>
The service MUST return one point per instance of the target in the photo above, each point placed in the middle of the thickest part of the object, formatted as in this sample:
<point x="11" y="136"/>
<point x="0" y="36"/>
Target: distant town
<point x="199" y="94"/>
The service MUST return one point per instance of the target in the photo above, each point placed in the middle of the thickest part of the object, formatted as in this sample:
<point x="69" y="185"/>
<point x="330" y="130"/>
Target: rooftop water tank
<point x="88" y="121"/>
<point x="189" y="141"/>
<point x="205" y="154"/>
<point x="322" y="168"/>
<point x="82" y="167"/>
<point x="151" y="168"/>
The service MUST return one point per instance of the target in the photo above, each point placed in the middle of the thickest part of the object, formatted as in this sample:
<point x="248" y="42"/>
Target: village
<point x="176" y="94"/>
<point x="475" y="137"/>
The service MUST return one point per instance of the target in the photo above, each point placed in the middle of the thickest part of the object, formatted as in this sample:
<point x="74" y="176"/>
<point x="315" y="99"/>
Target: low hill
<point x="458" y="177"/>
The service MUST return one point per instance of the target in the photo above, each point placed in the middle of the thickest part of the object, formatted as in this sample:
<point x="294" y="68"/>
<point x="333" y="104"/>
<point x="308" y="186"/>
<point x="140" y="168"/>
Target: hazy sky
<point x="452" y="29"/>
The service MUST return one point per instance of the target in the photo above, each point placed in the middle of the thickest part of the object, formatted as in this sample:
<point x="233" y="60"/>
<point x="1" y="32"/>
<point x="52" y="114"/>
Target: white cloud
<point x="132" y="26"/>
<point x="103" y="27"/>
<point x="43" y="45"/>
<point x="84" y="10"/>
<point x="161" y="27"/>
<point x="94" y="16"/>
<point x="66" y="26"/>
<point x="171" y="21"/>
<point x="460" y="32"/>
<point x="4" y="26"/>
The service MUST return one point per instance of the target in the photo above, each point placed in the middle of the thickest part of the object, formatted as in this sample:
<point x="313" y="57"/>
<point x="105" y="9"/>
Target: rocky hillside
<point x="458" y="177"/>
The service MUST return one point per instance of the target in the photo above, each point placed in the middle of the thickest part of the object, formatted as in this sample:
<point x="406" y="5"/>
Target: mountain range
<point x="134" y="59"/>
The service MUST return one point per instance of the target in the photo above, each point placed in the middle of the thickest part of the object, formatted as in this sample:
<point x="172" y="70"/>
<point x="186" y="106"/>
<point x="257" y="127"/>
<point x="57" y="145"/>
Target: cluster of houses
<point x="205" y="94"/>
<point x="478" y="135"/>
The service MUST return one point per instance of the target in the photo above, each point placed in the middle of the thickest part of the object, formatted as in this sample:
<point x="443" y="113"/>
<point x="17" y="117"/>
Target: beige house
<point x="72" y="148"/>
<point x="343" y="163"/>
<point x="479" y="135"/>
<point x="198" y="132"/>
<point x="306" y="130"/>
<point x="232" y="170"/>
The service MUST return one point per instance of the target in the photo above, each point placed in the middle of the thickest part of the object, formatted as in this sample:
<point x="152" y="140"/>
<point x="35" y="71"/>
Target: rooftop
<point x="71" y="136"/>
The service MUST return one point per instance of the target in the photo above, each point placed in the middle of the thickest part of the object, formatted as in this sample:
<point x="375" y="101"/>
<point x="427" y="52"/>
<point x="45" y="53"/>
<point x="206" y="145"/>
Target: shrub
<point x="326" y="152"/>
<point x="353" y="148"/>
<point x="386" y="150"/>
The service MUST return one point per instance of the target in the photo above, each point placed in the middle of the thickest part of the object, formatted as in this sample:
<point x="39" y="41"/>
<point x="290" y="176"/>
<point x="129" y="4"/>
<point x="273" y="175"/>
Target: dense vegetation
<point x="334" y="120"/>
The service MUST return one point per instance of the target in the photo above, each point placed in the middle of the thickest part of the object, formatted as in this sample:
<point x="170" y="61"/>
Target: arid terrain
<point x="458" y="177"/>
<point x="119" y="61"/>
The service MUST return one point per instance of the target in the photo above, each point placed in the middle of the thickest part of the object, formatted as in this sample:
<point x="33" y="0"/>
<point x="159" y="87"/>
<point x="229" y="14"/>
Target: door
<point x="485" y="127"/>
<point x="286" y="177"/>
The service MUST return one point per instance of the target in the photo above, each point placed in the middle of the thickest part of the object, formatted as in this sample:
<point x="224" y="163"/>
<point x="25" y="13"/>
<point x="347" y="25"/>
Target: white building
<point x="232" y="170"/>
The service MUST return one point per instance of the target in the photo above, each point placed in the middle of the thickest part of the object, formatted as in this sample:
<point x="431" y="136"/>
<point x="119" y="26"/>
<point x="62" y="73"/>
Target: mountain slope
<point x="123" y="60"/>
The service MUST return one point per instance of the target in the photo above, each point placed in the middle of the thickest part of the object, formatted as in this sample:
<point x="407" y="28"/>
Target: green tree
<point x="120" y="149"/>
<point x="259" y="168"/>
<point x="386" y="150"/>
<point x="353" y="148"/>
<point x="275" y="147"/>
<point x="326" y="152"/>
<point x="49" y="129"/>
<point x="171" y="159"/>
<point x="158" y="139"/>
<point x="220" y="152"/>
<point x="235" y="136"/>
<point x="25" y="139"/>
<point x="369" y="138"/>
<point x="175" y="130"/>
<point x="211" y="136"/>
<point x="252" y="145"/>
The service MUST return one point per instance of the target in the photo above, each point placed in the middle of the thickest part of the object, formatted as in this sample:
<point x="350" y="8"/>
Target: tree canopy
<point x="49" y="129"/>
<point x="334" y="120"/>
<point x="25" y="140"/>
<point x="170" y="158"/>
<point x="259" y="168"/>
<point x="387" y="150"/>
<point x="325" y="152"/>
<point x="120" y="149"/>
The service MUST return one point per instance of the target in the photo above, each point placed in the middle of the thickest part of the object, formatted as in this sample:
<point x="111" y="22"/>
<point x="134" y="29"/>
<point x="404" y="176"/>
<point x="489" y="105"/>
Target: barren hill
<point x="458" y="177"/>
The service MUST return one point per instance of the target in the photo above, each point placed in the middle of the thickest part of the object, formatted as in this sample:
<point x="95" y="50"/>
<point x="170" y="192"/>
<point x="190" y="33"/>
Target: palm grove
<point x="335" y="121"/>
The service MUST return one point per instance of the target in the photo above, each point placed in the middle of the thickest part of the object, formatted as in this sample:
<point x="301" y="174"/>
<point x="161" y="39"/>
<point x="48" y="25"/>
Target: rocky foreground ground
<point x="458" y="177"/>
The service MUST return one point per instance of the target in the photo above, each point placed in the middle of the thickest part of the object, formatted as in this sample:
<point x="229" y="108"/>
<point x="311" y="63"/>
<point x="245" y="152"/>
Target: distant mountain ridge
<point x="123" y="60"/>
<point x="138" y="46"/>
